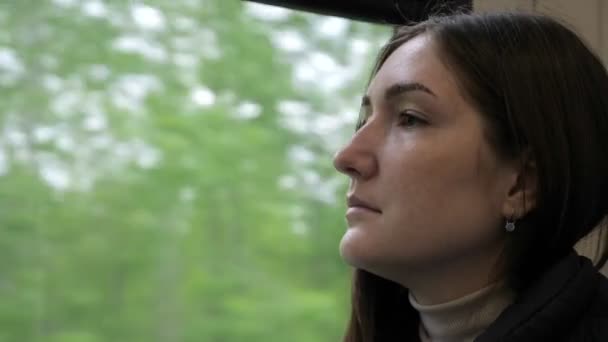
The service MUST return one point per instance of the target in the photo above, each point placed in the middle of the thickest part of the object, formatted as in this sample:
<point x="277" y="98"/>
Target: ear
<point x="522" y="193"/>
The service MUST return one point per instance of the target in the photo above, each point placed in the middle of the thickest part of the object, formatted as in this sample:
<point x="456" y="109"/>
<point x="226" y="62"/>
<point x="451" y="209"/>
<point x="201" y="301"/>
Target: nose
<point x="358" y="158"/>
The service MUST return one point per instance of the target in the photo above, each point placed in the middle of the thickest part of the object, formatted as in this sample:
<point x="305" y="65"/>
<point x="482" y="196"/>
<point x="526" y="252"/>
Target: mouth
<point x="356" y="203"/>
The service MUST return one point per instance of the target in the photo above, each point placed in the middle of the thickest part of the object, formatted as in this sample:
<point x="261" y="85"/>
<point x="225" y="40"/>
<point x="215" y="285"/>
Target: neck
<point x="464" y="318"/>
<point x="445" y="281"/>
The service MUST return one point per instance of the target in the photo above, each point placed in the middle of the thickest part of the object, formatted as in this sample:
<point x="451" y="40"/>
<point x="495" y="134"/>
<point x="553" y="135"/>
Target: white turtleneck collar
<point x="465" y="318"/>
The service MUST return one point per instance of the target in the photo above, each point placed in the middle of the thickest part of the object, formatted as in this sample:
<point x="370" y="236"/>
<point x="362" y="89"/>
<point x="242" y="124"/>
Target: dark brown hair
<point x="544" y="97"/>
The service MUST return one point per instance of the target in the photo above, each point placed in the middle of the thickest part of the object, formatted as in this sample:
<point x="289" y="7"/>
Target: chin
<point x="357" y="250"/>
<point x="352" y="249"/>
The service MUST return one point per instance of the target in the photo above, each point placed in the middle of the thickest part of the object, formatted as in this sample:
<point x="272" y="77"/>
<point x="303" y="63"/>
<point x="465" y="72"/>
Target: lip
<point x="359" y="212"/>
<point x="355" y="203"/>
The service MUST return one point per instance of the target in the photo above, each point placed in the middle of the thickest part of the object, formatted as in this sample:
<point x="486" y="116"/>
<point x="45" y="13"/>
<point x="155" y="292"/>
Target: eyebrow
<point x="399" y="89"/>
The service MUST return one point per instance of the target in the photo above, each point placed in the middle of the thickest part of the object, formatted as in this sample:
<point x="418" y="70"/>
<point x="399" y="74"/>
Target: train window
<point x="165" y="169"/>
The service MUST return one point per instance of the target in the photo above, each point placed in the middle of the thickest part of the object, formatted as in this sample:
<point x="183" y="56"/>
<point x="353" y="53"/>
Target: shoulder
<point x="593" y="323"/>
<point x="568" y="303"/>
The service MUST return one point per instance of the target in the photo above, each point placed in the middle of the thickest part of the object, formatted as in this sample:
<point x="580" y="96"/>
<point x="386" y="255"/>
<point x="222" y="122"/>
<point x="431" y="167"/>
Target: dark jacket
<point x="568" y="303"/>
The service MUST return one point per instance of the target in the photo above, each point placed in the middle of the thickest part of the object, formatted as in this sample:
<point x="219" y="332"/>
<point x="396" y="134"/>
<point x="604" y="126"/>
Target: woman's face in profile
<point x="434" y="188"/>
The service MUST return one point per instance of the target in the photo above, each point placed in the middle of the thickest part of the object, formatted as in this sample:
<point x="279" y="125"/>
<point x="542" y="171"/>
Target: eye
<point x="409" y="119"/>
<point x="363" y="116"/>
<point x="360" y="123"/>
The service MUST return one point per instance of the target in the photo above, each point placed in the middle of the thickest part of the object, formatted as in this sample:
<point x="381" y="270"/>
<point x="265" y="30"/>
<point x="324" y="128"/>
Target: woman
<point x="480" y="159"/>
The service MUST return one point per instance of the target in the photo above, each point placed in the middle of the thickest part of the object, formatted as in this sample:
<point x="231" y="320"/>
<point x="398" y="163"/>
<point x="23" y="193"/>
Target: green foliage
<point x="165" y="176"/>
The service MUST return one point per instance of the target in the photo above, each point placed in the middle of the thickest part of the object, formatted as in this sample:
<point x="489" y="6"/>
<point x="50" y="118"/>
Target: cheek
<point x="444" y="198"/>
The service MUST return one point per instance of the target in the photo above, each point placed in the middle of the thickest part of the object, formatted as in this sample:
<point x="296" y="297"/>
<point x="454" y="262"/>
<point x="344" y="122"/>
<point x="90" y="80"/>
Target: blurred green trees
<point x="165" y="170"/>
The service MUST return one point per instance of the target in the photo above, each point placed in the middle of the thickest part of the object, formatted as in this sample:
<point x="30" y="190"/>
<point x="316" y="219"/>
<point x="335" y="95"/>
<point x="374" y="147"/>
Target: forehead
<point x="416" y="60"/>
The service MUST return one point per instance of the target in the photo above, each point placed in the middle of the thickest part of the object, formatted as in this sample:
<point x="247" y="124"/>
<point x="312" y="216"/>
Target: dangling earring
<point x="510" y="225"/>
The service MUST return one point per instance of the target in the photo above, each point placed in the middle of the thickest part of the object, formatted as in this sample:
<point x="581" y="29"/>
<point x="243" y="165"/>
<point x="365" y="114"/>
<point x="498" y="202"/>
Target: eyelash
<point x="407" y="114"/>
<point x="360" y="124"/>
